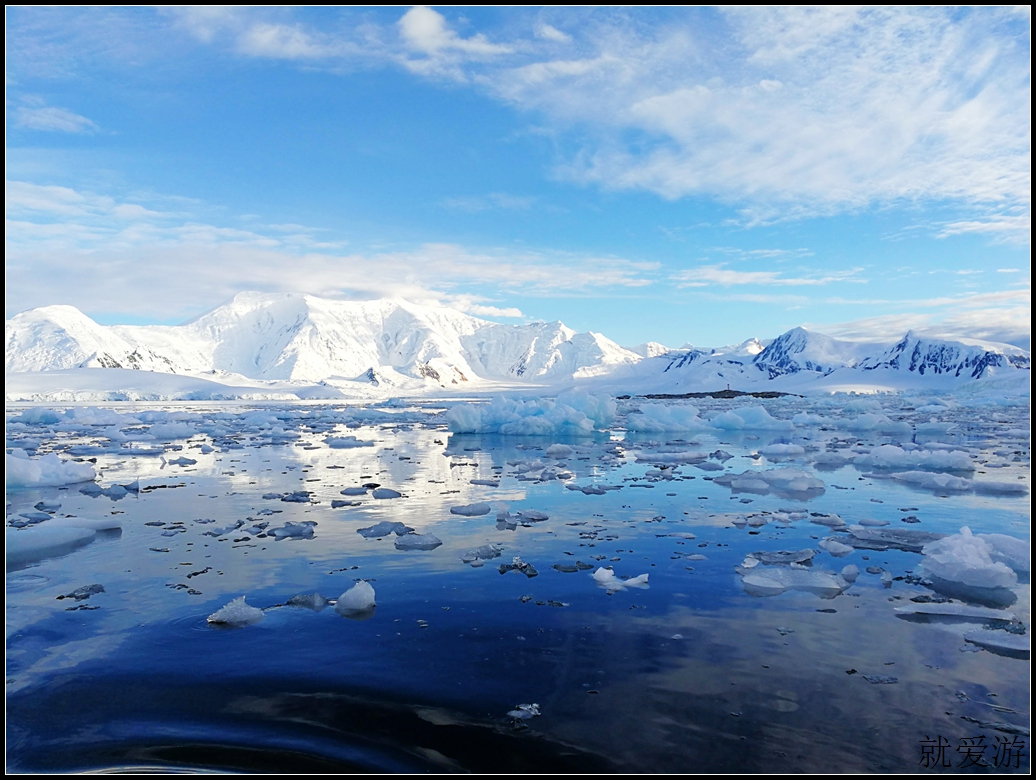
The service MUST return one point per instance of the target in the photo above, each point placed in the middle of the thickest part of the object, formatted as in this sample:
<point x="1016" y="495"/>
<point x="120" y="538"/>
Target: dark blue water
<point x="690" y="674"/>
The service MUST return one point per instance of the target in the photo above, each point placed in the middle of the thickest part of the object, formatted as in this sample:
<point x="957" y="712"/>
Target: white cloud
<point x="1003" y="316"/>
<point x="782" y="112"/>
<point x="53" y="119"/>
<point x="102" y="254"/>
<point x="426" y="31"/>
<point x="550" y="33"/>
<point x="280" y="41"/>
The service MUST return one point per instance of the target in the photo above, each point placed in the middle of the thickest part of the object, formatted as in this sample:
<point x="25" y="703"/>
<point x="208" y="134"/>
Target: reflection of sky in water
<point x="605" y="669"/>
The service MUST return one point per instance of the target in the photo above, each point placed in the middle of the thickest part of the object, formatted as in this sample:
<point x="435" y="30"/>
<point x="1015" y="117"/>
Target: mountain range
<point x="392" y="346"/>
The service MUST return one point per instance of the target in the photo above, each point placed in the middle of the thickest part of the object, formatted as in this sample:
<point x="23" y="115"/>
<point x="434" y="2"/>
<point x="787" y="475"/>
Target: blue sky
<point x="691" y="175"/>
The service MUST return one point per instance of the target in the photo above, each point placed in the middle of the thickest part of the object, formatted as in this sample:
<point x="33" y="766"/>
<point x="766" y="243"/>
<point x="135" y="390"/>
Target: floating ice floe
<point x="559" y="451"/>
<point x="479" y="555"/>
<point x="354" y="491"/>
<point x="181" y="461"/>
<point x="877" y="423"/>
<point x="782" y="450"/>
<point x="607" y="579"/>
<point x="966" y="560"/>
<point x="28" y="545"/>
<point x="954" y="612"/>
<point x="884" y="538"/>
<point x="891" y="457"/>
<point x="784" y="480"/>
<point x="290" y="530"/>
<point x="384" y="528"/>
<point x="750" y="418"/>
<point x="346" y="442"/>
<point x="1000" y="642"/>
<point x="172" y="430"/>
<point x="385" y="493"/>
<point x="471" y="510"/>
<point x="774" y="580"/>
<point x="672" y="458"/>
<point x="517" y="564"/>
<point x="236" y="613"/>
<point x="359" y="598"/>
<point x="575" y="413"/>
<point x="836" y="548"/>
<point x="832" y="460"/>
<point x="659" y="418"/>
<point x="47" y="471"/>
<point x="413" y="541"/>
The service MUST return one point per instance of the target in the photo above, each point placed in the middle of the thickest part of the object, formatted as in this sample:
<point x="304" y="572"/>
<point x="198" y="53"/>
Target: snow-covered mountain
<point x="800" y="350"/>
<point x="801" y="360"/>
<point x="265" y="336"/>
<point x="938" y="357"/>
<point x="281" y="342"/>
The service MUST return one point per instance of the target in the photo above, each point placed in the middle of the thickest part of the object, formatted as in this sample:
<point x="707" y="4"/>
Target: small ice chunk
<point x="418" y="542"/>
<point x="313" y="601"/>
<point x="386" y="493"/>
<point x="872" y="523"/>
<point x="525" y="711"/>
<point x="236" y="613"/>
<point x="850" y="573"/>
<point x="559" y="451"/>
<point x="354" y="491"/>
<point x="471" y="510"/>
<point x="486" y="482"/>
<point x="607" y="579"/>
<point x="534" y="515"/>
<point x="359" y="598"/>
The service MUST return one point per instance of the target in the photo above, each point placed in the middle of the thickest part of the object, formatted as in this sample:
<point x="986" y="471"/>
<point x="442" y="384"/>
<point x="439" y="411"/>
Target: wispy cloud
<point x="53" y="119"/>
<point x="707" y="275"/>
<point x="494" y="200"/>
